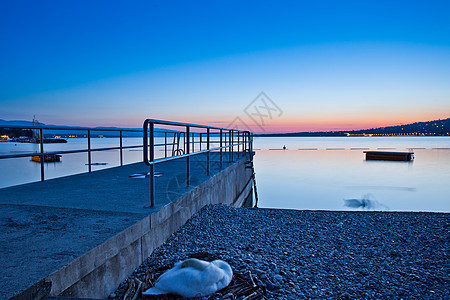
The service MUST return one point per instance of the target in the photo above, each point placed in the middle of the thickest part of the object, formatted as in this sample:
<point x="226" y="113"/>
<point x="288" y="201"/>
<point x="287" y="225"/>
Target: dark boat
<point x="384" y="155"/>
<point x="52" y="141"/>
<point x="47" y="158"/>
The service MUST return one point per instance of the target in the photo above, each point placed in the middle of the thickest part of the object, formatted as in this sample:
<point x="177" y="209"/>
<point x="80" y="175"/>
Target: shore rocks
<point x="293" y="254"/>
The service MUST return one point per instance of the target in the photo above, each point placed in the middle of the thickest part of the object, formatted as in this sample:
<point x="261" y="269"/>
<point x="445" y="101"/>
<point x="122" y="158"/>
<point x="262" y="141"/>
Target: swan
<point x="193" y="278"/>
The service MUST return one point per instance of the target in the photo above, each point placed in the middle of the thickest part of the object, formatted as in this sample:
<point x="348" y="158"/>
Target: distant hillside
<point x="71" y="131"/>
<point x="436" y="127"/>
<point x="430" y="128"/>
<point x="74" y="130"/>
<point x="16" y="123"/>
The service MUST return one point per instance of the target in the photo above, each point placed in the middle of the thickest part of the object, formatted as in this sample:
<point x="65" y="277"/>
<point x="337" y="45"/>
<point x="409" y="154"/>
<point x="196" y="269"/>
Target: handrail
<point x="164" y="159"/>
<point x="70" y="128"/>
<point x="148" y="122"/>
<point x="65" y="152"/>
<point x="41" y="137"/>
<point x="225" y="137"/>
<point x="172" y="123"/>
<point x="149" y="146"/>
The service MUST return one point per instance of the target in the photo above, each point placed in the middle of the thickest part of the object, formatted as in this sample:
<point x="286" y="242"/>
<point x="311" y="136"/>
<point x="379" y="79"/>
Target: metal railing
<point x="242" y="140"/>
<point x="230" y="141"/>
<point x="86" y="133"/>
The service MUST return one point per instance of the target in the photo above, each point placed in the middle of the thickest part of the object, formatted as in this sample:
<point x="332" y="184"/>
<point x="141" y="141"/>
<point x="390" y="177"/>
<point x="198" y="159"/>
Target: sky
<point x="271" y="66"/>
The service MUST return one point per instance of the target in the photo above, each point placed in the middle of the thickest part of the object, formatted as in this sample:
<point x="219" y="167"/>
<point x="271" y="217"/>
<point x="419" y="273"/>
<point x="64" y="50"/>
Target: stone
<point x="278" y="278"/>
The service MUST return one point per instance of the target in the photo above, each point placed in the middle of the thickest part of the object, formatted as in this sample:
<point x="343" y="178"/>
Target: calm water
<point x="22" y="170"/>
<point x="323" y="179"/>
<point x="322" y="175"/>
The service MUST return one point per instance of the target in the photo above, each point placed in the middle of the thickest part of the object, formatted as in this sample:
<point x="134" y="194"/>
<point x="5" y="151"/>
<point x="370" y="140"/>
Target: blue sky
<point x="326" y="64"/>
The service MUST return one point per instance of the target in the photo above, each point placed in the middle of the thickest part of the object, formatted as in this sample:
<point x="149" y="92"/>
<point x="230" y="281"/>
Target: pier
<point x="81" y="235"/>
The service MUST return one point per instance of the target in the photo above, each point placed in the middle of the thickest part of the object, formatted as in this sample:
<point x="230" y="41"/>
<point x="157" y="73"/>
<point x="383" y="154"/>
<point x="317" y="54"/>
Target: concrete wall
<point x="98" y="273"/>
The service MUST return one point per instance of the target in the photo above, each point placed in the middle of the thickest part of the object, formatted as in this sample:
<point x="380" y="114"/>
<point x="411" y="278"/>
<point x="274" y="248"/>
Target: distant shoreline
<point x="430" y="128"/>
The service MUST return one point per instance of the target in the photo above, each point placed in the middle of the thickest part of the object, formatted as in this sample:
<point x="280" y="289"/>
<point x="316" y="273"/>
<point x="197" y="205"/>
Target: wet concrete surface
<point x="46" y="225"/>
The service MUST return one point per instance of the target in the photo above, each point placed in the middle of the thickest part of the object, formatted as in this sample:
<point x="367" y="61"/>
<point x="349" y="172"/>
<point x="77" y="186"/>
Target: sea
<point x="311" y="173"/>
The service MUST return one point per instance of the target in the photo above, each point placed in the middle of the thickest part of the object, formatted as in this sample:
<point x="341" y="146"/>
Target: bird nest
<point x="242" y="285"/>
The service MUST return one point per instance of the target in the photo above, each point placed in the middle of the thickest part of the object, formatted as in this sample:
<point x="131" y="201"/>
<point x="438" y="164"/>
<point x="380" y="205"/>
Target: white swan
<point x="193" y="278"/>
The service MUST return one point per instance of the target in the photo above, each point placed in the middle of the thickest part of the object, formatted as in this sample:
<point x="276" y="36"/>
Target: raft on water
<point x="384" y="155"/>
<point x="52" y="141"/>
<point x="47" y="158"/>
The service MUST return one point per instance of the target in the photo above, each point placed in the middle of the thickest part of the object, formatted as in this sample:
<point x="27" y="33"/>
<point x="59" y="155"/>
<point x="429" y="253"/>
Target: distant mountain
<point x="16" y="123"/>
<point x="430" y="128"/>
<point x="77" y="131"/>
<point x="73" y="129"/>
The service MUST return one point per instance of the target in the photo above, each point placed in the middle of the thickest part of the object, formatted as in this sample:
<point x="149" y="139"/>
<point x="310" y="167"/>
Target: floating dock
<point x="385" y="155"/>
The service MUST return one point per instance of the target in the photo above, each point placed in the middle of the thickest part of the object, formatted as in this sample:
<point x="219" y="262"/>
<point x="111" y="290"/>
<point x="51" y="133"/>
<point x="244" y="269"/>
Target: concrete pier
<point x="81" y="235"/>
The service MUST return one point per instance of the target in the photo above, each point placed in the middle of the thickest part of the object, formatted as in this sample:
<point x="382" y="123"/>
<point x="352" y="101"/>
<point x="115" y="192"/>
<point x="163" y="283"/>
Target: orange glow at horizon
<point x="284" y="125"/>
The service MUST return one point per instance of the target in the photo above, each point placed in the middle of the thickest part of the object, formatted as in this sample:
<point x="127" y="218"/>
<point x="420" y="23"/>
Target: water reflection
<point x="365" y="203"/>
<point x="401" y="188"/>
<point x="322" y="179"/>
<point x="357" y="203"/>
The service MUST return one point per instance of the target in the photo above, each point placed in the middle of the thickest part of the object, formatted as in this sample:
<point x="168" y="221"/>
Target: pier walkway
<point x="46" y="225"/>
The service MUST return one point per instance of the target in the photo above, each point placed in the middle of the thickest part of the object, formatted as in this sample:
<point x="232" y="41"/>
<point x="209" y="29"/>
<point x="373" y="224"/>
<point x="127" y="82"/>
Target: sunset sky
<point x="321" y="65"/>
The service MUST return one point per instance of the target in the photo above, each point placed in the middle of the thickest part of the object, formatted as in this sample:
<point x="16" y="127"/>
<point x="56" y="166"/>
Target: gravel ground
<point x="317" y="254"/>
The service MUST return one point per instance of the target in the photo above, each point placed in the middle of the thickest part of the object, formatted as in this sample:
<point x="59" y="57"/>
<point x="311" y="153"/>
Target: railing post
<point x="225" y="141"/>
<point x="247" y="135"/>
<point x="89" y="150"/>
<point x="187" y="157"/>
<point x="242" y="146"/>
<point x="246" y="141"/>
<point x="230" y="144"/>
<point x="207" y="153"/>
<point x="145" y="142"/>
<point x="200" y="147"/>
<point x="175" y="139"/>
<point x="152" y="166"/>
<point x="238" y="146"/>
<point x="221" y="148"/>
<point x="41" y="144"/>
<point x="121" y="150"/>
<point x="251" y="142"/>
<point x="165" y="144"/>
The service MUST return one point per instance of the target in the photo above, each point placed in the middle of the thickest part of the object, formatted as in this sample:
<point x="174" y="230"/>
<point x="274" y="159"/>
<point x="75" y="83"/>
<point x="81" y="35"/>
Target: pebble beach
<point x="293" y="254"/>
